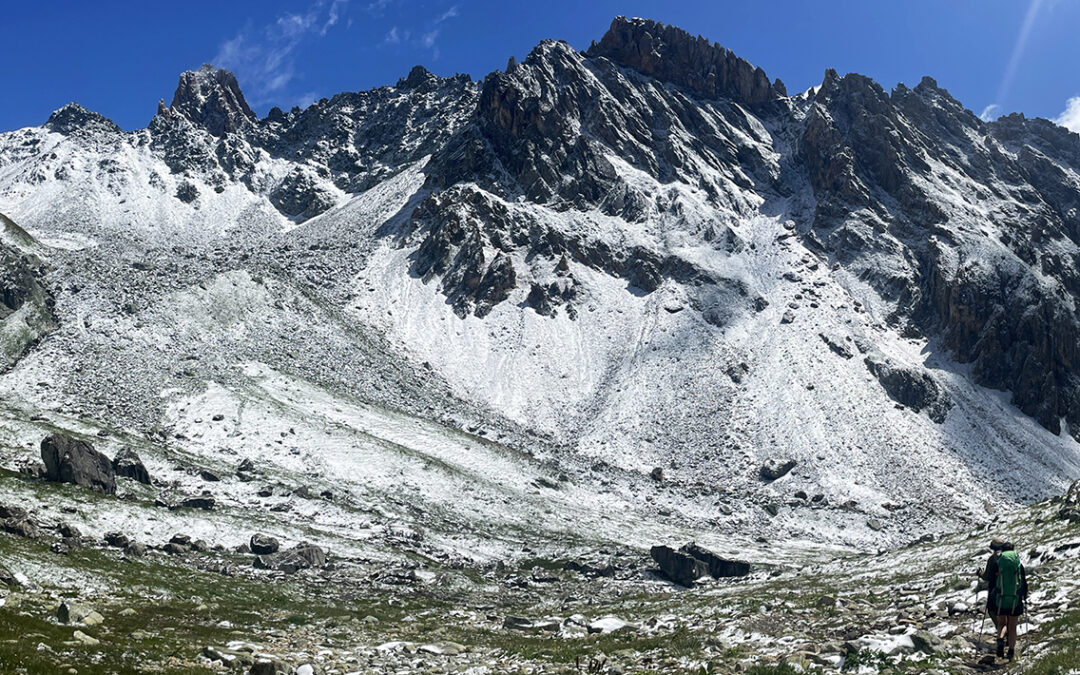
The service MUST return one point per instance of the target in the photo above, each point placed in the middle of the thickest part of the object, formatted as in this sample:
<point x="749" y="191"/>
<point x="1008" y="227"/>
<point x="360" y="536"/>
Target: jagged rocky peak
<point x="210" y="97"/>
<point x="418" y="77"/>
<point x="73" y="118"/>
<point x="671" y="54"/>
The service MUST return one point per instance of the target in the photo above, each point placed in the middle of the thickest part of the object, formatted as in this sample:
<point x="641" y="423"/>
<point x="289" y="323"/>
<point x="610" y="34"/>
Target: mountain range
<point x="844" y="314"/>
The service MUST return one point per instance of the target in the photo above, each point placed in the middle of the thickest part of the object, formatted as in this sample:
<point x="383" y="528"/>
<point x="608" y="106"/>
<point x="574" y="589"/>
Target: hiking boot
<point x="1011" y="654"/>
<point x="1000" y="648"/>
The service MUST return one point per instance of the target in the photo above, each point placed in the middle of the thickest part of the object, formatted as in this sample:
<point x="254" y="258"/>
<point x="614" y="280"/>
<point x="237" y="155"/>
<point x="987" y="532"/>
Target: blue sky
<point x="119" y="58"/>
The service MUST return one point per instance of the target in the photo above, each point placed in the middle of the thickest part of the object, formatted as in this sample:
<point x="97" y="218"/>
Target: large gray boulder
<point x="911" y="387"/>
<point x="70" y="460"/>
<point x="292" y="561"/>
<point x="263" y="544"/>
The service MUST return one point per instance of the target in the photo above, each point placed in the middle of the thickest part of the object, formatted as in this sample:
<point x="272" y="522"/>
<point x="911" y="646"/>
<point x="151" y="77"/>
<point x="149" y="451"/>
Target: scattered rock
<point x="70" y="612"/>
<point x="135" y="550"/>
<point x="204" y="503"/>
<point x="911" y="387"/>
<point x="837" y="345"/>
<point x="773" y="469"/>
<point x="445" y="648"/>
<point x="268" y="666"/>
<point x="262" y="544"/>
<point x="610" y="624"/>
<point x="117" y="539"/>
<point x="8" y="578"/>
<point x="926" y="642"/>
<point x="523" y="624"/>
<point x="589" y="570"/>
<point x="12" y="512"/>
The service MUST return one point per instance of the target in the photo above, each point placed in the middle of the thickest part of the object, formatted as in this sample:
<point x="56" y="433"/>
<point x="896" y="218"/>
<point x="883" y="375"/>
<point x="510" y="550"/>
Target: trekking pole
<point x="982" y="624"/>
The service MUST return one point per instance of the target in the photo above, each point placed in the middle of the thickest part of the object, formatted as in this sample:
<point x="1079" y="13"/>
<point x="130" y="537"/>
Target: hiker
<point x="996" y="546"/>
<point x="1007" y="583"/>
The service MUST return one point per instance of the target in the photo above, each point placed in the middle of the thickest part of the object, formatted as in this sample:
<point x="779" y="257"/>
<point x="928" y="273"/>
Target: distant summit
<point x="671" y="54"/>
<point x="73" y="118"/>
<point x="211" y="97"/>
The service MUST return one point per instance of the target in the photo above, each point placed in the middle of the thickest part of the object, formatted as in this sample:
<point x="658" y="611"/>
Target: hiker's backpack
<point x="1008" y="581"/>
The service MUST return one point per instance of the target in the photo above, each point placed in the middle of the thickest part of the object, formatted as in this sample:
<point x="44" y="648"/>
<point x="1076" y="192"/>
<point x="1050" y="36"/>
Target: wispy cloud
<point x="263" y="56"/>
<point x="990" y="112"/>
<point x="1015" y="58"/>
<point x="1070" y="118"/>
<point x="425" y="36"/>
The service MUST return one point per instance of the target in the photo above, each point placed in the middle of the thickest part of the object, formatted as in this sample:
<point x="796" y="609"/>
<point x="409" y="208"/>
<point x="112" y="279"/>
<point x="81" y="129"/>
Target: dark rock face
<point x="682" y="568"/>
<point x="187" y="192"/>
<point x="916" y="389"/>
<point x="21" y="288"/>
<point x="673" y="55"/>
<point x="210" y="97"/>
<point x="718" y="567"/>
<point x="1004" y="303"/>
<point x="304" y="556"/>
<point x="691" y="562"/>
<point x="128" y="465"/>
<point x="68" y="460"/>
<point x="300" y="196"/>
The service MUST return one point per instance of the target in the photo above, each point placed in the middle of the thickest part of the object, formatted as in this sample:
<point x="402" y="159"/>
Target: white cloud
<point x="263" y="58"/>
<point x="1070" y="118"/>
<point x="990" y="112"/>
<point x="448" y="14"/>
<point x="425" y="39"/>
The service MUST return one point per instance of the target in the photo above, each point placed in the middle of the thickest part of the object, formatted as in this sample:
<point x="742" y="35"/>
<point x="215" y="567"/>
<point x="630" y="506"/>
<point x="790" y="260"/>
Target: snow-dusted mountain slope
<point x="645" y="255"/>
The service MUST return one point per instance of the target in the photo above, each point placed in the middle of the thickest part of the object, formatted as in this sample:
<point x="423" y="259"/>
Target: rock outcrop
<point x="673" y="55"/>
<point x="913" y="388"/>
<point x="70" y="460"/>
<point x="26" y="305"/>
<point x="691" y="562"/>
<point x="127" y="464"/>
<point x="211" y="98"/>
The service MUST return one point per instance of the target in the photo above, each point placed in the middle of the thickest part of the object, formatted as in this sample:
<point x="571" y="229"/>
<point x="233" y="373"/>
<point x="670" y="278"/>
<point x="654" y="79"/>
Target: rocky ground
<point x="76" y="603"/>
